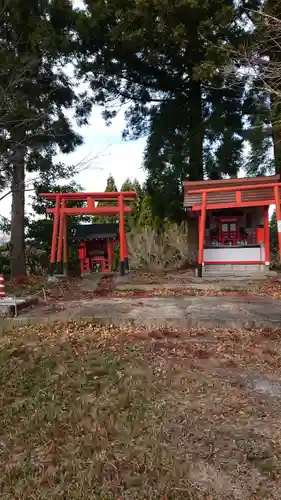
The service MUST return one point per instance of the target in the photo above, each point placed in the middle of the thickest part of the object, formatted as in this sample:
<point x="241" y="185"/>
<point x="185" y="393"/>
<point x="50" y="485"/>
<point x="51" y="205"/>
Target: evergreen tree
<point x="107" y="219"/>
<point x="37" y="41"/>
<point x="39" y="229"/>
<point x="128" y="185"/>
<point x="132" y="219"/>
<point x="146" y="218"/>
<point x="273" y="235"/>
<point x="258" y="134"/>
<point x="39" y="225"/>
<point x="168" y="61"/>
<point x="262" y="105"/>
<point x="110" y="185"/>
<point x="270" y="44"/>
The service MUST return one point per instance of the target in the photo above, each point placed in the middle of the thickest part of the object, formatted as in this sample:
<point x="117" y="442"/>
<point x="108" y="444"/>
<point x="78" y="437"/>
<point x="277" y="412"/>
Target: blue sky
<point x="103" y="153"/>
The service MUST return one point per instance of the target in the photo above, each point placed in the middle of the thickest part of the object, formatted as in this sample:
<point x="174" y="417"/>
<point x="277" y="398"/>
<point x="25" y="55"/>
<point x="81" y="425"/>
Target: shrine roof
<point x="222" y="193"/>
<point x="94" y="232"/>
<point x="219" y="183"/>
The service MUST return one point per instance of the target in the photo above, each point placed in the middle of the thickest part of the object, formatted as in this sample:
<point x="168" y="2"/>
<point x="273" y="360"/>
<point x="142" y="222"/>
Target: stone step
<point x="230" y="269"/>
<point x="256" y="271"/>
<point x="254" y="275"/>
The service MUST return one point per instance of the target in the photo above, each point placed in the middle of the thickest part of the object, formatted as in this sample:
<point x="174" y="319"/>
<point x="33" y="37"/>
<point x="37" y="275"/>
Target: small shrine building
<point x="96" y="241"/>
<point x="229" y="222"/>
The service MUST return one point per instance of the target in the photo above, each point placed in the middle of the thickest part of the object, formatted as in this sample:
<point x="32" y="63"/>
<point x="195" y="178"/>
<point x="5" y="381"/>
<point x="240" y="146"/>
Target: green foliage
<point x="140" y="205"/>
<point x="110" y="185"/>
<point x="168" y="61"/>
<point x="46" y="185"/>
<point x="261" y="57"/>
<point x="145" y="217"/>
<point x="132" y="219"/>
<point x="273" y="236"/>
<point x="39" y="230"/>
<point x="270" y="43"/>
<point x="5" y="259"/>
<point x="257" y="109"/>
<point x="39" y="227"/>
<point x="37" y="41"/>
<point x="107" y="219"/>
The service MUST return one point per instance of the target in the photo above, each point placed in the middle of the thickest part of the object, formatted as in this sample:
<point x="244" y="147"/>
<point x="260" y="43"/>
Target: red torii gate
<point x="61" y="211"/>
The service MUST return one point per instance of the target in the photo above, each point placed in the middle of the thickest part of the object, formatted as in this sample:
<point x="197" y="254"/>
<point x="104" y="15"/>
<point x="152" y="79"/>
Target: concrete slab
<point x="150" y="278"/>
<point x="247" y="273"/>
<point x="10" y="306"/>
<point x="205" y="312"/>
<point x="90" y="282"/>
<point x="223" y="286"/>
<point x="182" y="280"/>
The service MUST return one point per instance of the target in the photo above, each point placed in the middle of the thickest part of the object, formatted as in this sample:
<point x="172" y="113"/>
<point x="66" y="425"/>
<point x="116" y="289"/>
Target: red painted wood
<point x="260" y="235"/>
<point x="121" y="228"/>
<point x="107" y="195"/>
<point x="278" y="216"/>
<point x="226" y="189"/>
<point x="61" y="226"/>
<point x="202" y="229"/>
<point x="245" y="204"/>
<point x="238" y="197"/>
<point x="56" y="211"/>
<point x="94" y="211"/>
<point x="266" y="235"/>
<point x="60" y="214"/>
<point x="65" y="256"/>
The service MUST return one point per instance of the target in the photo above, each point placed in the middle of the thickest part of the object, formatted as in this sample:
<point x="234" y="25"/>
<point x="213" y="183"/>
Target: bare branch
<point x="261" y="60"/>
<point x="81" y="166"/>
<point x="11" y="191"/>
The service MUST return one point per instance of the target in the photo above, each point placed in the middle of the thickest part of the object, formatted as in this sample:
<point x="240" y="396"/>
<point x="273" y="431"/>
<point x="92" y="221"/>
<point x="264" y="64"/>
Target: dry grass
<point x="156" y="252"/>
<point x="89" y="412"/>
<point x="40" y="286"/>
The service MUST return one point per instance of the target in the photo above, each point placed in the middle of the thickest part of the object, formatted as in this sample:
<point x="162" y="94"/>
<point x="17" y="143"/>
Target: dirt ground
<point x="95" y="413"/>
<point x="176" y="300"/>
<point x="165" y="406"/>
<point x="142" y="284"/>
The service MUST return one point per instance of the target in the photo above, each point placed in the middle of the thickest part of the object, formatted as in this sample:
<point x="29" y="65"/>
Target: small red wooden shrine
<point x="233" y="222"/>
<point x="96" y="246"/>
<point x="61" y="210"/>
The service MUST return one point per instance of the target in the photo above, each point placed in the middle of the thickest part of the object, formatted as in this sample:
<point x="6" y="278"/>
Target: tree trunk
<point x="196" y="132"/>
<point x="196" y="125"/>
<point x="18" y="267"/>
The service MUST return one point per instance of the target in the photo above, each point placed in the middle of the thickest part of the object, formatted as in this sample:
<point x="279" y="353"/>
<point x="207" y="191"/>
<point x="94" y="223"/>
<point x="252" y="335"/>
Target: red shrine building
<point x="96" y="242"/>
<point x="229" y="222"/>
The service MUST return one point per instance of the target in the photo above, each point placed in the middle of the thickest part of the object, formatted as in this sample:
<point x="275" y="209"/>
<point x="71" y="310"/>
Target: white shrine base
<point x="230" y="254"/>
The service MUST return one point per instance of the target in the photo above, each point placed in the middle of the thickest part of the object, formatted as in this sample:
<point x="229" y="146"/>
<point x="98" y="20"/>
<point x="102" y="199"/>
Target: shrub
<point x="154" y="251"/>
<point x="274" y="248"/>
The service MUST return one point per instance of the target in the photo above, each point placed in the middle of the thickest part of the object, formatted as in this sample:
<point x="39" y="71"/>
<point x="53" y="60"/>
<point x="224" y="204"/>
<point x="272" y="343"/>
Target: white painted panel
<point x="232" y="254"/>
